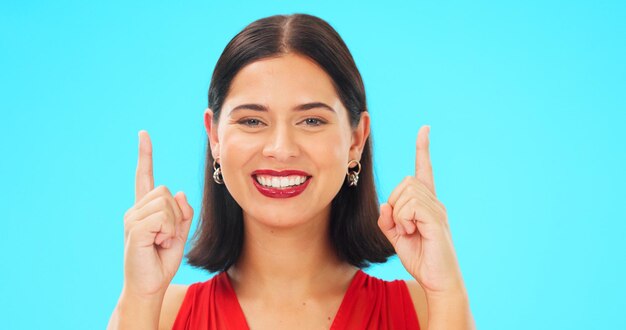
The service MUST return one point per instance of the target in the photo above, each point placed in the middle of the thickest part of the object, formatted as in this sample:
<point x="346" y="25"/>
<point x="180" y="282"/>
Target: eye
<point x="250" y="122"/>
<point x="314" y="122"/>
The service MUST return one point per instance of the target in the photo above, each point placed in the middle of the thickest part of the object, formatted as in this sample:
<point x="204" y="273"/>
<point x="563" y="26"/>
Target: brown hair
<point x="354" y="232"/>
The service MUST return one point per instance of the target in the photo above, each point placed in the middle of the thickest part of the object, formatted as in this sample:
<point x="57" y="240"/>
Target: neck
<point x="298" y="260"/>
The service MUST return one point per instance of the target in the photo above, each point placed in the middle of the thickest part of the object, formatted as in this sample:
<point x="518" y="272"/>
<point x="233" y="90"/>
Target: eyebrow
<point x="301" y="107"/>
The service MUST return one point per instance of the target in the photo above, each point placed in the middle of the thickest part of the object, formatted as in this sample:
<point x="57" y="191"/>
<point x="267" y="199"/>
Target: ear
<point x="211" y="131"/>
<point x="359" y="136"/>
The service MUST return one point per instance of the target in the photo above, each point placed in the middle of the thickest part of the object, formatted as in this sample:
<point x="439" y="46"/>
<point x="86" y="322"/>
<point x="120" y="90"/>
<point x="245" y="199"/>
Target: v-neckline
<point x="344" y="302"/>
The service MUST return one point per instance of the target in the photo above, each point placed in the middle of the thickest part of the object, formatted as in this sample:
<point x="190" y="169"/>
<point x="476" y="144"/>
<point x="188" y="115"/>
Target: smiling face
<point x="282" y="123"/>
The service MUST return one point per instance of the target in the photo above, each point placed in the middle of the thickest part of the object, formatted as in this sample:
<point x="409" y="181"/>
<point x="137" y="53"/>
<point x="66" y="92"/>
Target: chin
<point x="280" y="218"/>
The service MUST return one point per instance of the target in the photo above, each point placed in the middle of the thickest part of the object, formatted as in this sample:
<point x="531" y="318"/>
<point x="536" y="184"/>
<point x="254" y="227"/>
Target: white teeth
<point x="280" y="182"/>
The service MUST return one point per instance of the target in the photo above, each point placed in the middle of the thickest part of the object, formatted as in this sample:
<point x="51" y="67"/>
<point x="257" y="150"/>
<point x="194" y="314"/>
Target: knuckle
<point x="127" y="215"/>
<point x="444" y="217"/>
<point x="162" y="203"/>
<point x="163" y="189"/>
<point x="127" y="224"/>
<point x="443" y="207"/>
<point x="402" y="216"/>
<point x="414" y="203"/>
<point x="166" y="216"/>
<point x="161" y="215"/>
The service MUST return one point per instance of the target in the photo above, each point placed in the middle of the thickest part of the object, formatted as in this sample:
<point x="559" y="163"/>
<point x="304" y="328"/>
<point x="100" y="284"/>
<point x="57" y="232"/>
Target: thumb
<point x="386" y="223"/>
<point x="181" y="200"/>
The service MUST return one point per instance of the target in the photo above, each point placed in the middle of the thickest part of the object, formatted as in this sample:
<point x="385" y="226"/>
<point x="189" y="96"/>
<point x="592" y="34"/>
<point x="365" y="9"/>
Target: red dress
<point x="369" y="303"/>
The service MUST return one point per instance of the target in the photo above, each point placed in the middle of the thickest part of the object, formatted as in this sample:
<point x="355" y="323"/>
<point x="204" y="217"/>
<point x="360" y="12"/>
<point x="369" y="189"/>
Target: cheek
<point x="235" y="152"/>
<point x="331" y="154"/>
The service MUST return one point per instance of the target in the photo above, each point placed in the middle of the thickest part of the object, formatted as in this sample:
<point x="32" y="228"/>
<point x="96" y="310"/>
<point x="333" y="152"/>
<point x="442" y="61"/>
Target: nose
<point x="280" y="144"/>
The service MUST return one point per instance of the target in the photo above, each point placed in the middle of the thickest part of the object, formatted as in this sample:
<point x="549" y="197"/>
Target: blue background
<point x="526" y="101"/>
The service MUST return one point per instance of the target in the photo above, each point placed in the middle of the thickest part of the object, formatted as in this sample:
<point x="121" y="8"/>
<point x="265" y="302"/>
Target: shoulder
<point x="172" y="301"/>
<point x="415" y="291"/>
<point x="419" y="302"/>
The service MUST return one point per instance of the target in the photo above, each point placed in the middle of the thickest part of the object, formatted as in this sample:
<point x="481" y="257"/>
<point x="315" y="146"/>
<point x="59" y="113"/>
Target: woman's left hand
<point x="416" y="224"/>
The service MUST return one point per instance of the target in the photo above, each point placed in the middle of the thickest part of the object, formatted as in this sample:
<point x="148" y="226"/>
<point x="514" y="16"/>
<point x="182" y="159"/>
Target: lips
<point x="285" y="192"/>
<point x="281" y="173"/>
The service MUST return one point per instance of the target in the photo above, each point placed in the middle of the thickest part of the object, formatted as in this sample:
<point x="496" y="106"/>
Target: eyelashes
<point x="316" y="121"/>
<point x="249" y="122"/>
<point x="253" y="122"/>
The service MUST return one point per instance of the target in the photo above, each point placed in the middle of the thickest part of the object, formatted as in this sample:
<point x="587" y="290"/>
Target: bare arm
<point x="416" y="224"/>
<point x="156" y="228"/>
<point x="419" y="302"/>
<point x="134" y="312"/>
<point x="450" y="312"/>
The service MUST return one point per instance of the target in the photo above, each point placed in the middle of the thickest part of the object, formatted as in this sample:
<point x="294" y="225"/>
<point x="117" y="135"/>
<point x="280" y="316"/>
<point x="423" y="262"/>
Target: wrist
<point x="458" y="293"/>
<point x="129" y="294"/>
<point x="138" y="312"/>
<point x="449" y="310"/>
<point x="451" y="288"/>
<point x="447" y="300"/>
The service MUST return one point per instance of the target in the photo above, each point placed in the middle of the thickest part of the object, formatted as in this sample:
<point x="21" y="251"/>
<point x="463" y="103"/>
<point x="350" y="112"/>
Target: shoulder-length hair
<point x="356" y="238"/>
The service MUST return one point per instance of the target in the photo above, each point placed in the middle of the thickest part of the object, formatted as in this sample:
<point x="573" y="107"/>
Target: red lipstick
<point x="281" y="173"/>
<point x="281" y="192"/>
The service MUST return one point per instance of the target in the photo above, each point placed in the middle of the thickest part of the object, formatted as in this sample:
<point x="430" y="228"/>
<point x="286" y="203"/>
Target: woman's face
<point x="266" y="128"/>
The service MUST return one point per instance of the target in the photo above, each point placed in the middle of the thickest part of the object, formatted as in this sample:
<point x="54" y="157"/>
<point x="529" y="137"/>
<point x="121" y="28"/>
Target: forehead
<point x="282" y="82"/>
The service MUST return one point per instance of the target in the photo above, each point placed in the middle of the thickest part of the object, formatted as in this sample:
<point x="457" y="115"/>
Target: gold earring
<point x="353" y="177"/>
<point x="217" y="173"/>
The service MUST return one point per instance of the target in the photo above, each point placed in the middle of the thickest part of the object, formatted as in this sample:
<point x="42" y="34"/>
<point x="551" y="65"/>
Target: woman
<point x="290" y="212"/>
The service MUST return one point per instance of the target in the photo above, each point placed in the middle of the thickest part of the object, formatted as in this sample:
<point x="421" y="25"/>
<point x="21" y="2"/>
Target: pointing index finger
<point x="144" y="178"/>
<point x="423" y="166"/>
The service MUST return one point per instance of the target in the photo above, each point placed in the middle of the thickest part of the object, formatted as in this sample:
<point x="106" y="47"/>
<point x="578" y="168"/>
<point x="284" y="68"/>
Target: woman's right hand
<point x="155" y="231"/>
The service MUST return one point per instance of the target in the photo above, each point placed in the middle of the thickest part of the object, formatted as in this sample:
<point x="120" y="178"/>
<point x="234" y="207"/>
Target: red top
<point x="369" y="303"/>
